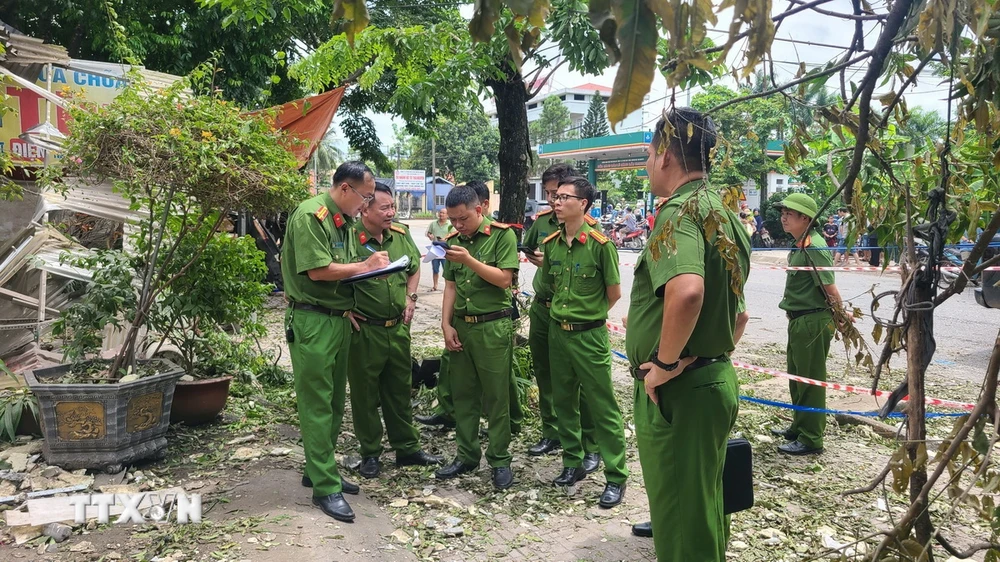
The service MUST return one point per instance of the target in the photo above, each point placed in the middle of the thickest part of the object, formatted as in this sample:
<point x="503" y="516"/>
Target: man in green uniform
<point x="809" y="298"/>
<point x="581" y="267"/>
<point x="538" y="330"/>
<point x="380" y="349"/>
<point x="318" y="252"/>
<point x="475" y="320"/>
<point x="682" y="321"/>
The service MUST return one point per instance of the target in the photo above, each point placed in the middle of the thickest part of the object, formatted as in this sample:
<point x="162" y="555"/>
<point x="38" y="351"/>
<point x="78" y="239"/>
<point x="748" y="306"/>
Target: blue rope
<point x="788" y="406"/>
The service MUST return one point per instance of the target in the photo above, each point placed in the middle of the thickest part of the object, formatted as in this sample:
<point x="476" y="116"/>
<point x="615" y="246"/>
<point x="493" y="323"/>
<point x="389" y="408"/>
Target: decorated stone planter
<point x="104" y="426"/>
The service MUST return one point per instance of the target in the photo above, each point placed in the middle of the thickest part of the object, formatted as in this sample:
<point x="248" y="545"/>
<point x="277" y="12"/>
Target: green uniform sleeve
<point x="609" y="265"/>
<point x="506" y="250"/>
<point x="689" y="257"/>
<point x="544" y="272"/>
<point x="414" y="253"/>
<point x="312" y="248"/>
<point x="821" y="258"/>
<point x="531" y="237"/>
<point x="741" y="305"/>
<point x="449" y="271"/>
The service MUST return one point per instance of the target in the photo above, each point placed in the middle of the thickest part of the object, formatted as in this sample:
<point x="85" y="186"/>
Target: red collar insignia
<point x="362" y="237"/>
<point x="338" y="220"/>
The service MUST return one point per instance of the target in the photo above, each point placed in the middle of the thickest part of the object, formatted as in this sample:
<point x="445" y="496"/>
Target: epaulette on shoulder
<point x="398" y="227"/>
<point x="551" y="237"/>
<point x="451" y="235"/>
<point x="662" y="203"/>
<point x="321" y="213"/>
<point x="599" y="237"/>
<point x="545" y="212"/>
<point x="590" y="220"/>
<point x="500" y="224"/>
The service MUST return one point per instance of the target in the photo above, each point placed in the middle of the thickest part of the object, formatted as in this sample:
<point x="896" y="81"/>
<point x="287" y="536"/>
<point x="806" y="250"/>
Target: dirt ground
<point x="247" y="466"/>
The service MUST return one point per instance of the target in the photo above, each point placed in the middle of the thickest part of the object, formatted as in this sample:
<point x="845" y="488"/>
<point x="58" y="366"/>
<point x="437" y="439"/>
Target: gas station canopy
<point x="615" y="152"/>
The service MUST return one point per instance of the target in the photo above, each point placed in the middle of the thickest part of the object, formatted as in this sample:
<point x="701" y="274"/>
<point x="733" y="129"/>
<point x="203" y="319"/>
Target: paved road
<point x="965" y="331"/>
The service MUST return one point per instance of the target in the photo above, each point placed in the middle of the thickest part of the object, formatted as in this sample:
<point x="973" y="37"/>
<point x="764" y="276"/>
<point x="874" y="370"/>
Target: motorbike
<point x="635" y="240"/>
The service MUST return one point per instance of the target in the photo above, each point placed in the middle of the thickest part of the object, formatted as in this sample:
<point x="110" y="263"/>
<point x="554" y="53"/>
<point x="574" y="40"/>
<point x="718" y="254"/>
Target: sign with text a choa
<point x="140" y="508"/>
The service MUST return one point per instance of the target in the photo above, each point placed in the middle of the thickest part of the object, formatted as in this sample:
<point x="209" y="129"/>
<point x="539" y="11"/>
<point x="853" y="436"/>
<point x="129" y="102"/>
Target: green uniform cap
<point x="799" y="202"/>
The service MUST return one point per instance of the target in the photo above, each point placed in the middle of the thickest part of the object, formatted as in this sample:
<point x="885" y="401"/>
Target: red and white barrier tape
<point x="857" y="268"/>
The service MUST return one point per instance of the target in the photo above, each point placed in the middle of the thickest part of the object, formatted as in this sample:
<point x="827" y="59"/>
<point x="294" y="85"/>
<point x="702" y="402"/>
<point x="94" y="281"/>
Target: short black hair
<point x="351" y="170"/>
<point x="380" y="187"/>
<point x="583" y="189"/>
<point x="560" y="172"/>
<point x="481" y="189"/>
<point x="462" y="195"/>
<point x="842" y="210"/>
<point x="694" y="149"/>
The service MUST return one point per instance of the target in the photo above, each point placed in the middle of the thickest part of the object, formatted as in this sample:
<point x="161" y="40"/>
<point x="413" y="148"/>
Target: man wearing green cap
<point x="808" y="300"/>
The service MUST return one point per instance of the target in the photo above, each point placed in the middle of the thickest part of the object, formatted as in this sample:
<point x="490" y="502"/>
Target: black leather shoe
<point x="613" y="495"/>
<point x="591" y="462"/>
<point x="418" y="458"/>
<point x="456" y="468"/>
<point x="346" y="486"/>
<point x="503" y="478"/>
<point x="796" y="448"/>
<point x="643" y="529"/>
<point x="436" y="419"/>
<point x="543" y="447"/>
<point x="335" y="506"/>
<point x="784" y="432"/>
<point x="570" y="475"/>
<point x="370" y="467"/>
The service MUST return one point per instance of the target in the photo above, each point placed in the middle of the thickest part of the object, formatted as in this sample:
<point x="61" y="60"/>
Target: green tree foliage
<point x="595" y="124"/>
<point x="553" y="125"/>
<point x="467" y="148"/>
<point x="744" y="130"/>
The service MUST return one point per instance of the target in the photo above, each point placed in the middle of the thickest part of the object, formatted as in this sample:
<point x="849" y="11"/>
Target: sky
<point x="809" y="37"/>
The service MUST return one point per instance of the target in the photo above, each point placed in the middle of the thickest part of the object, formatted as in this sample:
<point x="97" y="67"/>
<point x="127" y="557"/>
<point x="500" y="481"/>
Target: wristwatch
<point x="655" y="360"/>
<point x="412" y="297"/>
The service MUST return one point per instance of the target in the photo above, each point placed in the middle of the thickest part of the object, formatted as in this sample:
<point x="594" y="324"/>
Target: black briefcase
<point x="737" y="477"/>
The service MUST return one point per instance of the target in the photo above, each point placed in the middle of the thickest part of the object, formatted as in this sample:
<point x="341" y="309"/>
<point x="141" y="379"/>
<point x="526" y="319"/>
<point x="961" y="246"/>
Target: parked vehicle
<point x="988" y="294"/>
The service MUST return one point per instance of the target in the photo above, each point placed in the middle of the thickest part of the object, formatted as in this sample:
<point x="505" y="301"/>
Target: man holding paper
<point x="380" y="349"/>
<point x="317" y="254"/>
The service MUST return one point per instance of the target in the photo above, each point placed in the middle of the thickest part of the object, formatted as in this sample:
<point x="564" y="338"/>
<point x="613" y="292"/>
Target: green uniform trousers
<point x="380" y="372"/>
<point x="808" y="346"/>
<point x="480" y="382"/>
<point x="584" y="377"/>
<point x="319" y="355"/>
<point x="445" y="402"/>
<point x="538" y="341"/>
<point x="682" y="450"/>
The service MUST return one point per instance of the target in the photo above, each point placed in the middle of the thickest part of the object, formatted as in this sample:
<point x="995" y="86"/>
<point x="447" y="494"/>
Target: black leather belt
<point x="793" y="314"/>
<point x="580" y="326"/>
<point x="546" y="302"/>
<point x="640" y="374"/>
<point x="381" y="323"/>
<point x="489" y="317"/>
<point x="319" y="309"/>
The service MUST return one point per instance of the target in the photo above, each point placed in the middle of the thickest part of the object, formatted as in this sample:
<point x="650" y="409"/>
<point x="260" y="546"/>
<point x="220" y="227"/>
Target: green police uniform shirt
<point x="579" y="274"/>
<point x="384" y="298"/>
<point x="495" y="245"/>
<point x="544" y="225"/>
<point x="713" y="333"/>
<point x="802" y="288"/>
<point x="317" y="234"/>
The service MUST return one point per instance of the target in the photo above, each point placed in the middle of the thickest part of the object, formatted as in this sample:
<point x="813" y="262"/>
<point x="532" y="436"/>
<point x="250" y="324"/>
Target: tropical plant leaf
<point x="353" y="15"/>
<point x="484" y="19"/>
<point x="637" y="36"/>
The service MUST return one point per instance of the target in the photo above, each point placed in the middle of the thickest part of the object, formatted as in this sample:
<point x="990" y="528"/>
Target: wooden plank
<point x="26" y="300"/>
<point x="42" y="511"/>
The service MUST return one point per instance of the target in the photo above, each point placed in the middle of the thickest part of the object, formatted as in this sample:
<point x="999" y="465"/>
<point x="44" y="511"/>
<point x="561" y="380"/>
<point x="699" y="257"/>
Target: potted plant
<point x="221" y="292"/>
<point x="183" y="162"/>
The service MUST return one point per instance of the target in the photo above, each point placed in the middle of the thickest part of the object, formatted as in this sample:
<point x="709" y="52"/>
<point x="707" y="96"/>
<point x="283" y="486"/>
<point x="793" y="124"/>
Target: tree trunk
<point x="515" y="149"/>
<point x="920" y="348"/>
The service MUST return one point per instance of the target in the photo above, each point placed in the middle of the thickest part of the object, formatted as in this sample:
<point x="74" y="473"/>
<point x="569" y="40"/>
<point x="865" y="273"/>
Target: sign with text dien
<point x="28" y="109"/>
<point x="410" y="180"/>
